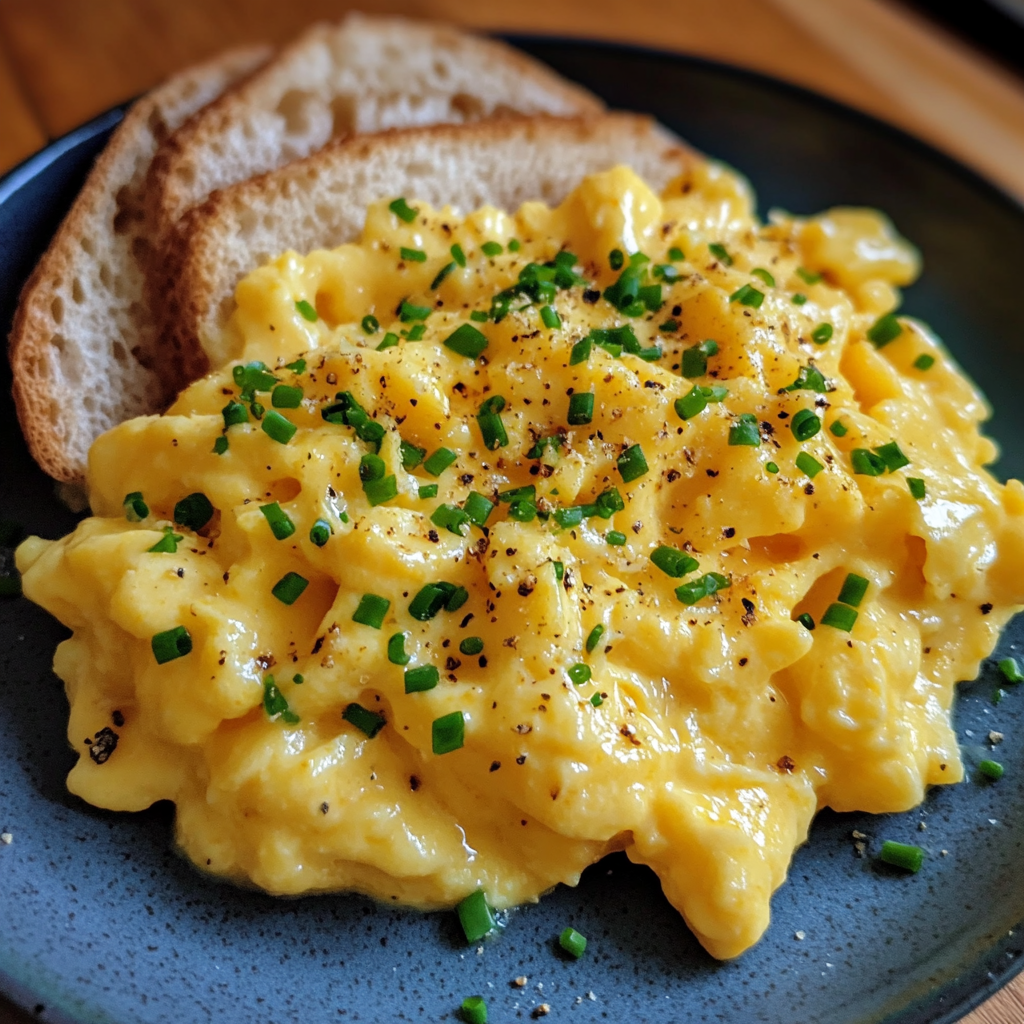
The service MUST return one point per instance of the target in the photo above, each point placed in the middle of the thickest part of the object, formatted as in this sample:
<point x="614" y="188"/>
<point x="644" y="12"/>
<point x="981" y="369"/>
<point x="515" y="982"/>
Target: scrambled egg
<point x="499" y="542"/>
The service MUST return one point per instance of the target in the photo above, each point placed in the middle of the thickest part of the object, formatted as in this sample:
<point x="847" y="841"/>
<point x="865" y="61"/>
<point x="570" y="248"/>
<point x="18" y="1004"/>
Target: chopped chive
<point x="379" y="491"/>
<point x="412" y="455"/>
<point x="1011" y="670"/>
<point x="439" y="461"/>
<point x="867" y="463"/>
<point x="900" y="855"/>
<point x="579" y="673"/>
<point x="281" y="525"/>
<point x="277" y="428"/>
<point x="491" y="249"/>
<point x="566" y="517"/>
<point x="467" y="341"/>
<point x="609" y="502"/>
<point x="747" y="295"/>
<point x="676" y="254"/>
<point x="650" y="296"/>
<point x="991" y="769"/>
<point x="479" y="315"/>
<point x="450" y="517"/>
<point x="672" y="562"/>
<point x="616" y="538"/>
<point x="429" y="600"/>
<point x="234" y="413"/>
<point x="632" y="464"/>
<point x="458" y="255"/>
<point x="806" y="621"/>
<point x="616" y="259"/>
<point x="839" y="429"/>
<point x="275" y="705"/>
<point x="808" y="276"/>
<point x="805" y="424"/>
<point x="668" y="326"/>
<point x="885" y="329"/>
<point x="924" y="361"/>
<point x="298" y="679"/>
<point x="809" y="378"/>
<point x="892" y="456"/>
<point x="370" y="324"/>
<point x="471" y="646"/>
<point x="771" y="467"/>
<point x="320" y="532"/>
<point x="478" y="508"/>
<point x="559" y="568"/>
<point x="581" y="351"/>
<point x="371" y="610"/>
<point x="822" y="334"/>
<point x="415" y="333"/>
<point x="799" y="299"/>
<point x="428" y="491"/>
<point x="476" y="917"/>
<point x="762" y="274"/>
<point x="366" y="721"/>
<point x="284" y="396"/>
<point x="421" y="678"/>
<point x="594" y="638"/>
<point x="257" y="410"/>
<point x="447" y="733"/>
<point x="135" y="509"/>
<point x="193" y="511"/>
<point x="719" y="252"/>
<point x="474" y="1008"/>
<point x="596" y="700"/>
<point x="441" y="275"/>
<point x="839" y="616"/>
<point x="171" y="644"/>
<point x="457" y="597"/>
<point x="299" y="366"/>
<point x="168" y="543"/>
<point x="581" y="408"/>
<point x="745" y="431"/>
<point x="695" y="359"/>
<point x="412" y="255"/>
<point x="916" y="487"/>
<point x="252" y="377"/>
<point x="522" y="511"/>
<point x="808" y="464"/>
<point x="371" y="467"/>
<point x="710" y="583"/>
<point x="492" y="429"/>
<point x="572" y="942"/>
<point x="691" y="404"/>
<point x="853" y="590"/>
<point x="666" y="272"/>
<point x="550" y="318"/>
<point x="401" y="209"/>
<point x="288" y="589"/>
<point x="307" y="311"/>
<point x="409" y="313"/>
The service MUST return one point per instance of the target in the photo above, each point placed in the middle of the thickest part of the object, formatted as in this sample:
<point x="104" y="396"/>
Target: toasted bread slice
<point x="364" y="74"/>
<point x="321" y="202"/>
<point x="83" y="347"/>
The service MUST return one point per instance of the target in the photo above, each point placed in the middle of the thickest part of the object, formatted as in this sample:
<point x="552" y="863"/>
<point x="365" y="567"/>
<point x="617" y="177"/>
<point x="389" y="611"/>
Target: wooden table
<point x="62" y="61"/>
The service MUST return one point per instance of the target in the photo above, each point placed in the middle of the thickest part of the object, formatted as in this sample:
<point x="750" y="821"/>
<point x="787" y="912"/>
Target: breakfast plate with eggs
<point x="589" y="567"/>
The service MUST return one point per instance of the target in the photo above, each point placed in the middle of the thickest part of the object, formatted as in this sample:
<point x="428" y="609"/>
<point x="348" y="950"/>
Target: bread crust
<point x="217" y="242"/>
<point x="64" y="388"/>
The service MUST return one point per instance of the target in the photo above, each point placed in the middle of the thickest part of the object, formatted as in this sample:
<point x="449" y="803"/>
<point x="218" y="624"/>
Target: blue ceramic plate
<point x="101" y="921"/>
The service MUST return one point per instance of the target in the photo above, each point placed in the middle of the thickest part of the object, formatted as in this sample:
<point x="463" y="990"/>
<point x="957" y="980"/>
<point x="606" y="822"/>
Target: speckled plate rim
<point x="979" y="981"/>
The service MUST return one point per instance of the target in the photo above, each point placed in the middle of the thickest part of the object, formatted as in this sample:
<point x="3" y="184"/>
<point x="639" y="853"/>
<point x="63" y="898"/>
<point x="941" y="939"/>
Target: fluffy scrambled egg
<point x="499" y="542"/>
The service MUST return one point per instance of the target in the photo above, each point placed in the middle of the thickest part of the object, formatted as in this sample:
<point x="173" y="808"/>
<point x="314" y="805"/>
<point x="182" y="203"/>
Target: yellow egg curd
<point x="494" y="543"/>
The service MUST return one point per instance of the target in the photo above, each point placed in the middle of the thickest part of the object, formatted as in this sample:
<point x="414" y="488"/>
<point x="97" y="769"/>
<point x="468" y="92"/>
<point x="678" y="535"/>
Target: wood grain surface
<point x="64" y="61"/>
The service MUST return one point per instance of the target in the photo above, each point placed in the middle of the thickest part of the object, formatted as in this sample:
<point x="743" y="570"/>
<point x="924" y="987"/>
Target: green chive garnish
<point x="441" y="275"/>
<point x="307" y="311"/>
<point x="924" y="361"/>
<point x="594" y="638"/>
<point x="672" y="562"/>
<point x="581" y="409"/>
<point x="806" y="621"/>
<point x="710" y="583"/>
<point x="288" y="589"/>
<point x="193" y="511"/>
<point x="745" y="431"/>
<point x="596" y="700"/>
<point x="867" y="463"/>
<point x="616" y="259"/>
<point x="476" y="916"/>
<point x="579" y="673"/>
<point x="808" y="276"/>
<point x="421" y="678"/>
<point x="799" y="299"/>
<point x="233" y="413"/>
<point x="402" y="210"/>
<point x="429" y="600"/>
<point x="522" y="511"/>
<point x="412" y="455"/>
<point x="916" y="487"/>
<point x="839" y="616"/>
<point x="763" y="275"/>
<point x="567" y="517"/>
<point x="491" y="249"/>
<point x="900" y="855"/>
<point x="467" y="341"/>
<point x="822" y="334"/>
<point x="676" y="255"/>
<point x="380" y="491"/>
<point x="171" y="644"/>
<point x="719" y="252"/>
<point x="616" y="538"/>
<point x="276" y="427"/>
<point x="409" y="313"/>
<point x="489" y="421"/>
<point x="284" y="396"/>
<point x="415" y="333"/>
<point x="412" y="255"/>
<point x="771" y="467"/>
<point x="428" y="491"/>
<point x="839" y="429"/>
<point x="991" y="769"/>
<point x="458" y="255"/>
<point x="390" y="340"/>
<point x="135" y="509"/>
<point x="853" y="590"/>
<point x="451" y="518"/>
<point x="299" y="366"/>
<point x="281" y="525"/>
<point x="632" y="464"/>
<point x="572" y="942"/>
<point x="371" y="610"/>
<point x="439" y="461"/>
<point x="747" y="295"/>
<point x="695" y="359"/>
<point x="168" y="543"/>
<point x="477" y="508"/>
<point x="808" y="464"/>
<point x="471" y="646"/>
<point x="1011" y="670"/>
<point x="885" y="329"/>
<point x="320" y="532"/>
<point x="275" y="704"/>
<point x="447" y="733"/>
<point x="808" y="379"/>
<point x="550" y="318"/>
<point x="668" y="326"/>
<point x="891" y="455"/>
<point x="366" y="721"/>
<point x="396" y="649"/>
<point x="805" y="424"/>
<point x="691" y="404"/>
<point x="581" y="351"/>
<point x="474" y="1009"/>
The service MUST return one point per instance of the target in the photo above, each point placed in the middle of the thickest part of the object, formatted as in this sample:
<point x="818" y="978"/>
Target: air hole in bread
<point x="441" y="69"/>
<point x="77" y="291"/>
<point x="343" y="116"/>
<point x="106" y="277"/>
<point x="248" y="221"/>
<point x="57" y="309"/>
<point x="295" y="109"/>
<point x="466" y="107"/>
<point x="119" y="352"/>
<point x="87" y="246"/>
<point x="185" y="173"/>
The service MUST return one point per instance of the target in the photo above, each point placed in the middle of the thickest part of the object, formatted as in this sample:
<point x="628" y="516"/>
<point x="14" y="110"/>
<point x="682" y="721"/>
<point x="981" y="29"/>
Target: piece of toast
<point x="365" y="74"/>
<point x="84" y="350"/>
<point x="321" y="202"/>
